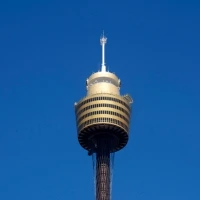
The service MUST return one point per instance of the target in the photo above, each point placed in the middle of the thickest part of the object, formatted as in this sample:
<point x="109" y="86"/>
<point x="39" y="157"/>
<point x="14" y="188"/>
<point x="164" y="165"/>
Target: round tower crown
<point x="103" y="82"/>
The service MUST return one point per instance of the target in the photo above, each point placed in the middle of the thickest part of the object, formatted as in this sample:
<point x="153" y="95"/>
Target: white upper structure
<point x="103" y="81"/>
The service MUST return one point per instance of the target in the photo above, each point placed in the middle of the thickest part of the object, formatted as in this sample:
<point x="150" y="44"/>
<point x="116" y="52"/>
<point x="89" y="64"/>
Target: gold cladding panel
<point x="103" y="116"/>
<point x="96" y="121"/>
<point x="103" y="102"/>
<point x="111" y="112"/>
<point x="127" y="115"/>
<point x="103" y="74"/>
<point x="121" y="113"/>
<point x="102" y="87"/>
<point x="102" y="95"/>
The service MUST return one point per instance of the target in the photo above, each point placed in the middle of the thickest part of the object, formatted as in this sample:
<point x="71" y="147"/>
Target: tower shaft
<point x="103" y="169"/>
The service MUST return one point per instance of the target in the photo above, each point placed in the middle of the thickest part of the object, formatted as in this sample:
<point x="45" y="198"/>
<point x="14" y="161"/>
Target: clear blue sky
<point x="49" y="48"/>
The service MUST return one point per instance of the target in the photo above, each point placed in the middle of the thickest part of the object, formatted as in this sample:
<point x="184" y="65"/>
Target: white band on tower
<point x="103" y="41"/>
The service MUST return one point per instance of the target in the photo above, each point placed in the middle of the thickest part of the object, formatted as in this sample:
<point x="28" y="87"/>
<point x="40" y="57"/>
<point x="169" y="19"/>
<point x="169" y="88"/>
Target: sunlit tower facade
<point x="103" y="120"/>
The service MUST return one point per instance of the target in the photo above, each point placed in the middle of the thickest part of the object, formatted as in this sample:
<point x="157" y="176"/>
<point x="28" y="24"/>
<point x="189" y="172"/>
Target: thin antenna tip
<point x="103" y="39"/>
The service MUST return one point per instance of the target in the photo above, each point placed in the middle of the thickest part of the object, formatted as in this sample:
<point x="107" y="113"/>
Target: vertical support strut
<point x="103" y="169"/>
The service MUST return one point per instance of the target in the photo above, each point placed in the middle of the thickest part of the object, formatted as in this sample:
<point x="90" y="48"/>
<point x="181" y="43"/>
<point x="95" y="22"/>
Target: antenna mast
<point x="103" y="41"/>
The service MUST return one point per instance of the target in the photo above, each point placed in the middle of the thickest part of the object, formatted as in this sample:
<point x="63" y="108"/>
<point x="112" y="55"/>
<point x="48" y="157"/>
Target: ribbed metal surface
<point x="103" y="113"/>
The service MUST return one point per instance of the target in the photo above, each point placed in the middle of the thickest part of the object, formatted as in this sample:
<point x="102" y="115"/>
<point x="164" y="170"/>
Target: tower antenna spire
<point x="103" y="41"/>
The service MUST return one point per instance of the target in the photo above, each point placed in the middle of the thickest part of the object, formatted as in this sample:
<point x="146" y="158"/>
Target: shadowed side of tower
<point x="103" y="119"/>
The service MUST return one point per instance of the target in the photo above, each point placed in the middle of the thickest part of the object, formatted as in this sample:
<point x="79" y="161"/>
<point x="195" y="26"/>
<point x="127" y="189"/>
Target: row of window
<point x="101" y="120"/>
<point x="103" y="112"/>
<point x="102" y="98"/>
<point x="103" y="105"/>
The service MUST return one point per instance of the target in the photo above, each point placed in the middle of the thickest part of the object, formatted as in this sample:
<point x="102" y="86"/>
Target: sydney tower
<point x="103" y="119"/>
